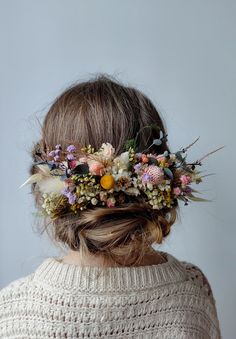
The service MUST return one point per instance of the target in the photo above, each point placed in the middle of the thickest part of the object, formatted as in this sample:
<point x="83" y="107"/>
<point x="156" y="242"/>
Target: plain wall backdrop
<point x="180" y="53"/>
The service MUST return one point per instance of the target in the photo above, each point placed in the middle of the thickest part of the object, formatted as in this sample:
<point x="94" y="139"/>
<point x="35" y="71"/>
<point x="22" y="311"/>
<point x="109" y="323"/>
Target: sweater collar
<point x="56" y="273"/>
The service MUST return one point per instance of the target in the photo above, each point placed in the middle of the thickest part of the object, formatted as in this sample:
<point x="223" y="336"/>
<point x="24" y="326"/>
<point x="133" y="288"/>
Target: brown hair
<point x="96" y="111"/>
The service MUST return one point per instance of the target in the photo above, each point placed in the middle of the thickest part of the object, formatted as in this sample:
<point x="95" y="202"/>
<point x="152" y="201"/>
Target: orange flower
<point x="144" y="158"/>
<point x="107" y="181"/>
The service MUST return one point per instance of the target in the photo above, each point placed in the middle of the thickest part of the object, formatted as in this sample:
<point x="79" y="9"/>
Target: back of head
<point x="93" y="112"/>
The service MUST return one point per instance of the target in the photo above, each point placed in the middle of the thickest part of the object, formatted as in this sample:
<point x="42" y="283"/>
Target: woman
<point x="108" y="186"/>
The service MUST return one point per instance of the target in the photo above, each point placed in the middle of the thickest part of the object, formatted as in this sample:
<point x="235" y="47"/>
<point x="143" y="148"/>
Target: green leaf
<point x="157" y="142"/>
<point x="168" y="172"/>
<point x="193" y="198"/>
<point x="188" y="170"/>
<point x="195" y="191"/>
<point x="152" y="161"/>
<point x="81" y="169"/>
<point x="130" y="143"/>
<point x="179" y="156"/>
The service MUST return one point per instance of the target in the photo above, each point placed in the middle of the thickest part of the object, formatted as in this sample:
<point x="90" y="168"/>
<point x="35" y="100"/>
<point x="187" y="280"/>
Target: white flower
<point x="172" y="157"/>
<point x="149" y="186"/>
<point x="161" y="187"/>
<point x="94" y="201"/>
<point x="122" y="161"/>
<point x="107" y="150"/>
<point x="132" y="191"/>
<point x="91" y="194"/>
<point x="121" y="174"/>
<point x="49" y="185"/>
<point x="155" y="192"/>
<point x="124" y="158"/>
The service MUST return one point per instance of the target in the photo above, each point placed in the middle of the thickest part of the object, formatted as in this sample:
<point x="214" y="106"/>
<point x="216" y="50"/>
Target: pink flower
<point x="155" y="174"/>
<point x="72" y="164"/>
<point x="96" y="167"/>
<point x="161" y="158"/>
<point x="185" y="179"/>
<point x="111" y="202"/>
<point x="69" y="183"/>
<point x="177" y="191"/>
<point x="103" y="196"/>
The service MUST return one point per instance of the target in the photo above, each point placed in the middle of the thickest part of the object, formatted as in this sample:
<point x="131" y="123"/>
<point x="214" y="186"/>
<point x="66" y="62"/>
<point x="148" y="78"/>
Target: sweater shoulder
<point x="198" y="278"/>
<point x="15" y="286"/>
<point x="196" y="275"/>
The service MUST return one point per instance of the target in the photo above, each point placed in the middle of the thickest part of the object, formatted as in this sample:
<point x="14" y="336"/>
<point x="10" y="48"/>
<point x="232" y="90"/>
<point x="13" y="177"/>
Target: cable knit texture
<point x="60" y="300"/>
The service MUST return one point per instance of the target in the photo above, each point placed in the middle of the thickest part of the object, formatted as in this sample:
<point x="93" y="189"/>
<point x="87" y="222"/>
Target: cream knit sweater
<point x="59" y="300"/>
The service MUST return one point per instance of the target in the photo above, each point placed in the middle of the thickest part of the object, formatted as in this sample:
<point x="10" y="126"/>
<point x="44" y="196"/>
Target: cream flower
<point x="132" y="191"/>
<point x="51" y="185"/>
<point x="121" y="162"/>
<point x="107" y="150"/>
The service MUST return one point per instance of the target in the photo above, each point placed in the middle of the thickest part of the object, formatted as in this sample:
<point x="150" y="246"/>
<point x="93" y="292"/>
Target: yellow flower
<point x="107" y="181"/>
<point x="74" y="208"/>
<point x="167" y="197"/>
<point x="164" y="163"/>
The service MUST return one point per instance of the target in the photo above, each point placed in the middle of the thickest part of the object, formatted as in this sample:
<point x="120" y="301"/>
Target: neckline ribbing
<point x="56" y="273"/>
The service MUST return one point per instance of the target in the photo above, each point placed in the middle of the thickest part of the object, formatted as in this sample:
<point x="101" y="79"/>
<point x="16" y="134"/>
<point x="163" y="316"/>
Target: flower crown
<point x="74" y="179"/>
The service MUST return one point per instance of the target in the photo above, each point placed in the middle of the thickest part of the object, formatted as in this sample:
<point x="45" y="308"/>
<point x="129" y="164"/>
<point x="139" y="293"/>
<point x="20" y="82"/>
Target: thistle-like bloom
<point x="146" y="178"/>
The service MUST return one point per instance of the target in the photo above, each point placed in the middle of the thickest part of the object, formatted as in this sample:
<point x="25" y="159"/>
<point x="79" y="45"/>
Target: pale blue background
<point x="182" y="54"/>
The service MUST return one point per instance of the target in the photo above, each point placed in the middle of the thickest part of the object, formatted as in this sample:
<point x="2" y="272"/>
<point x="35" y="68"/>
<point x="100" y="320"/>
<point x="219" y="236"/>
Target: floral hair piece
<point x="75" y="179"/>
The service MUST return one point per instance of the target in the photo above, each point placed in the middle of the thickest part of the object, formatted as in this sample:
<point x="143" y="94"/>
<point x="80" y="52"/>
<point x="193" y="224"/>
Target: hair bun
<point x="122" y="234"/>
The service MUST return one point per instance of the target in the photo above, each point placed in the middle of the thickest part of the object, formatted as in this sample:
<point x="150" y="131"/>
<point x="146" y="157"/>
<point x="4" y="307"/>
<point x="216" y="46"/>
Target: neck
<point x="74" y="257"/>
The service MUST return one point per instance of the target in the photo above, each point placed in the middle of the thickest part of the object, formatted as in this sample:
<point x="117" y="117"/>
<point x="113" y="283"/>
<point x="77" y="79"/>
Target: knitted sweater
<point x="60" y="300"/>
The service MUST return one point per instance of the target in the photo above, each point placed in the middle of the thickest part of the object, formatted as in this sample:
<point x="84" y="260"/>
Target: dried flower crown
<point x="72" y="180"/>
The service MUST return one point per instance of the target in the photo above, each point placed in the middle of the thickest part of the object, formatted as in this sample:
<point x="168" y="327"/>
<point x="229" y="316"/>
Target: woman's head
<point x="93" y="112"/>
<point x="100" y="110"/>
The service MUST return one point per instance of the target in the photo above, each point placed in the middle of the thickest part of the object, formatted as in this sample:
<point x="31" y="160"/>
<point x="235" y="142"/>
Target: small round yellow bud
<point x="107" y="181"/>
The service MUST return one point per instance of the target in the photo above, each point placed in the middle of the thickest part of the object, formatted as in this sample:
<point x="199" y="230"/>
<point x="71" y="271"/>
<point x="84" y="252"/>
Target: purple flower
<point x="57" y="152"/>
<point x="51" y="154"/>
<point x="146" y="177"/>
<point x="188" y="190"/>
<point x="72" y="198"/>
<point x="58" y="146"/>
<point x="137" y="167"/>
<point x="139" y="155"/>
<point x="71" y="148"/>
<point x="70" y="157"/>
<point x="57" y="157"/>
<point x="65" y="191"/>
